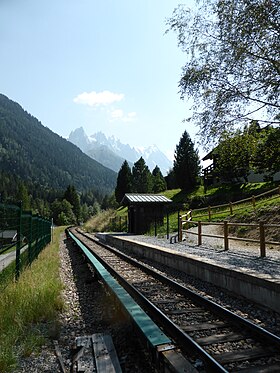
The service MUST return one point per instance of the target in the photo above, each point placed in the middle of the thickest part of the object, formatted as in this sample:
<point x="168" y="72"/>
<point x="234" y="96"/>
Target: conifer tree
<point x="159" y="183"/>
<point x="141" y="177"/>
<point x="186" y="164"/>
<point x="23" y="196"/>
<point x="123" y="182"/>
<point x="72" y="196"/>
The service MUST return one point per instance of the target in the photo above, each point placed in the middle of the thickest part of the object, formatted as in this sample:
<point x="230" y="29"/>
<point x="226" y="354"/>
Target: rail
<point x="160" y="346"/>
<point x="181" y="312"/>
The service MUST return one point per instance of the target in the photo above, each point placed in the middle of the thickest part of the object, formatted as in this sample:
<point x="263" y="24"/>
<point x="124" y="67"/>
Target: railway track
<point x="210" y="336"/>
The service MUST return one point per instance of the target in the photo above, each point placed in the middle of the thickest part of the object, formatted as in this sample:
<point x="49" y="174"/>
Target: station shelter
<point x="144" y="210"/>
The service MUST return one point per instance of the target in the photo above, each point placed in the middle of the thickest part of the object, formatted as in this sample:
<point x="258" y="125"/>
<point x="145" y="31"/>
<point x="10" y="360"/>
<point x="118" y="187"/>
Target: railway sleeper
<point x="164" y="354"/>
<point x="243" y="355"/>
<point x="254" y="354"/>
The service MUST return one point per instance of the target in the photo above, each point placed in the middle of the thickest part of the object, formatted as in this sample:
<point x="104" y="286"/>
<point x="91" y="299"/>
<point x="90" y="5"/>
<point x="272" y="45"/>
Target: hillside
<point x="36" y="154"/>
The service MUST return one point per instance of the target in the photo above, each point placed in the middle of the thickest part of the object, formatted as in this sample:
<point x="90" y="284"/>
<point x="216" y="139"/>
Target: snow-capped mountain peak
<point x="91" y="145"/>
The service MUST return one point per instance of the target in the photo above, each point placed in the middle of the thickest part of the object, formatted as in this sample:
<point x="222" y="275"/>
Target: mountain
<point x="34" y="153"/>
<point x="99" y="151"/>
<point x="111" y="152"/>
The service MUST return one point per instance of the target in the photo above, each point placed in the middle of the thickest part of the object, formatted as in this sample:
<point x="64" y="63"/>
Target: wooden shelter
<point x="144" y="210"/>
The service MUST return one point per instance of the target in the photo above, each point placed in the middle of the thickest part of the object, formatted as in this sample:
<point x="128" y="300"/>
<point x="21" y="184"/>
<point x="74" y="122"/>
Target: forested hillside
<point x="35" y="154"/>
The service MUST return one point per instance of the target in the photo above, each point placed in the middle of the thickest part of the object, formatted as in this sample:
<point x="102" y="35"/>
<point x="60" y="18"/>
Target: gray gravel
<point x="89" y="309"/>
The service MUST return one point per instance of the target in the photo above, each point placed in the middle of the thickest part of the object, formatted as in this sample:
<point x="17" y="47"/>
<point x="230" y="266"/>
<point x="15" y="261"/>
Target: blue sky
<point x="106" y="65"/>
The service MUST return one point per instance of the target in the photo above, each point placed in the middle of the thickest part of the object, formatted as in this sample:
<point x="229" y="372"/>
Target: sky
<point x="104" y="65"/>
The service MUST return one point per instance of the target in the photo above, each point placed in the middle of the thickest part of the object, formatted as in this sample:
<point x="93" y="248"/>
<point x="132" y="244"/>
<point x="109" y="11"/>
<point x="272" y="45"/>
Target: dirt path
<point x="217" y="230"/>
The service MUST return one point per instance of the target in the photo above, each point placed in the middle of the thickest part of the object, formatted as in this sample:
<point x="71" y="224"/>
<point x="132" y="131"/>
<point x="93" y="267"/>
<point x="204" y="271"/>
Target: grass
<point x="7" y="275"/>
<point x="100" y="222"/>
<point x="29" y="307"/>
<point x="5" y="249"/>
<point x="184" y="201"/>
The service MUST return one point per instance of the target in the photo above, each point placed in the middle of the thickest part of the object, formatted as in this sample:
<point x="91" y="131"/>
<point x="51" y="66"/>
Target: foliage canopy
<point x="254" y="149"/>
<point x="232" y="69"/>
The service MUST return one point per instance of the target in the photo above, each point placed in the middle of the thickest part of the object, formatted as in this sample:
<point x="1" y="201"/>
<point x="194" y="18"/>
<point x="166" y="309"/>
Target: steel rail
<point x="163" y="350"/>
<point x="218" y="309"/>
<point x="259" y="332"/>
<point x="186" y="342"/>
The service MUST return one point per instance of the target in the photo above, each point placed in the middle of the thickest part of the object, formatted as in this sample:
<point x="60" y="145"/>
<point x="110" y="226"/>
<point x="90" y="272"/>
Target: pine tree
<point x="159" y="183"/>
<point x="141" y="177"/>
<point x="123" y="181"/>
<point x="72" y="196"/>
<point x="170" y="179"/>
<point x="186" y="163"/>
<point x="23" y="196"/>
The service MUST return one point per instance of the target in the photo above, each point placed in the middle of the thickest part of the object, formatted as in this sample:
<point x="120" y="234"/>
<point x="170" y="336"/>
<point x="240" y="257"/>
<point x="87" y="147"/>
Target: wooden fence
<point x="231" y="207"/>
<point x="186" y="220"/>
<point x="118" y="223"/>
<point x="261" y="241"/>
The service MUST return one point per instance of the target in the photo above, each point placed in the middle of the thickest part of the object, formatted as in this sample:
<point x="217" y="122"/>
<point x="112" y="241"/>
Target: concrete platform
<point x="255" y="283"/>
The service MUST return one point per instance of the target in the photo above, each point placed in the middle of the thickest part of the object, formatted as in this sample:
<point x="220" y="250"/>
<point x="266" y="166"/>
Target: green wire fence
<point x="22" y="236"/>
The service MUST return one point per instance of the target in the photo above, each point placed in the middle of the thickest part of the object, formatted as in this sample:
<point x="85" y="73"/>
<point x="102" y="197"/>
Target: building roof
<point x="144" y="198"/>
<point x="208" y="156"/>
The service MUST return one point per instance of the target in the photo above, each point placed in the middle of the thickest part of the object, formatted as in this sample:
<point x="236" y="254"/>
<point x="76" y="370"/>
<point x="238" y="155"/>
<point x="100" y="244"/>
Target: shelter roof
<point x="144" y="198"/>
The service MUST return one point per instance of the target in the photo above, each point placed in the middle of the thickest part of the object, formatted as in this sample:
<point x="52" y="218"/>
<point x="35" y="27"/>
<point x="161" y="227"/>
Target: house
<point x="211" y="176"/>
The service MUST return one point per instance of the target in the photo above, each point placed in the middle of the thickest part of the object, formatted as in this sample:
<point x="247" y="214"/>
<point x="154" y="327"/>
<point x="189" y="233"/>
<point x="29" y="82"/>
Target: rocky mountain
<point x="35" y="154"/>
<point x="111" y="152"/>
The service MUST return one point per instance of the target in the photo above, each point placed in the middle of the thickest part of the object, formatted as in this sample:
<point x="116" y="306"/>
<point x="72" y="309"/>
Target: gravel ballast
<point x="89" y="309"/>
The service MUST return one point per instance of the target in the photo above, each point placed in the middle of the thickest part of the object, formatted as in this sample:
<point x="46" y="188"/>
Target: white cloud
<point x="131" y="115"/>
<point x="95" y="99"/>
<point x="118" y="114"/>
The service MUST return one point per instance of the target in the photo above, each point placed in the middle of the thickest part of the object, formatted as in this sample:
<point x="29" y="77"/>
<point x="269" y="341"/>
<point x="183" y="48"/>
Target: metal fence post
<point x="30" y="239"/>
<point x="18" y="245"/>
<point x="51" y="233"/>
<point x="167" y="225"/>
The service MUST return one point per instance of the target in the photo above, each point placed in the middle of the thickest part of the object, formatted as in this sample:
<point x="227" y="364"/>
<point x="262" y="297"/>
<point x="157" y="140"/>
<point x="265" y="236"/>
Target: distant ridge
<point x="111" y="152"/>
<point x="34" y="153"/>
